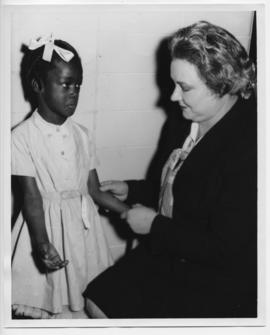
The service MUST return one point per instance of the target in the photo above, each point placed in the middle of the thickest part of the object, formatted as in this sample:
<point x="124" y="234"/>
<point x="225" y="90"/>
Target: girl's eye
<point x="65" y="85"/>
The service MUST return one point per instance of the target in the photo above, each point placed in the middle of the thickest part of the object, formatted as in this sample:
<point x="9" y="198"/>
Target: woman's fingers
<point x="124" y="215"/>
<point x="107" y="185"/>
<point x="118" y="188"/>
<point x="105" y="188"/>
<point x="140" y="218"/>
<point x="107" y="182"/>
<point x="137" y="205"/>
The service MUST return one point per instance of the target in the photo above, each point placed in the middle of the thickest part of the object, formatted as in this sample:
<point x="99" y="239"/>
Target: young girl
<point x="58" y="244"/>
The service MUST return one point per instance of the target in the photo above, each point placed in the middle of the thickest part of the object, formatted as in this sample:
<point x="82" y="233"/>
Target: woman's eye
<point x="65" y="85"/>
<point x="185" y="89"/>
<point x="78" y="86"/>
<point x="182" y="87"/>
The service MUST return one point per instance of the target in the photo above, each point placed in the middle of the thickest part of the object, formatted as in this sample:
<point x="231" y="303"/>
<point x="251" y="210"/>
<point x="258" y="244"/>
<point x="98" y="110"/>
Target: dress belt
<point x="63" y="195"/>
<point x="58" y="197"/>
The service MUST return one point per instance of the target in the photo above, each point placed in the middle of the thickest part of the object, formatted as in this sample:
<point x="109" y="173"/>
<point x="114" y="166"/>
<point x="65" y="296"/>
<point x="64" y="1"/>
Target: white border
<point x="5" y="212"/>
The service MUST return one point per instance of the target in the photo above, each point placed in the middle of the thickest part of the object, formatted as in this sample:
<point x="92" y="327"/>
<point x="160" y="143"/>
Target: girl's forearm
<point x="34" y="216"/>
<point x="108" y="201"/>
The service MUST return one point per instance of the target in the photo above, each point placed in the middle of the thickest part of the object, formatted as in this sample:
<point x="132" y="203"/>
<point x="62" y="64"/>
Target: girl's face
<point x="59" y="93"/>
<point x="198" y="103"/>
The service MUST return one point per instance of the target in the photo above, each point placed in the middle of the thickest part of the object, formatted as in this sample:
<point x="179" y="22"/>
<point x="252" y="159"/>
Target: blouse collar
<point x="194" y="130"/>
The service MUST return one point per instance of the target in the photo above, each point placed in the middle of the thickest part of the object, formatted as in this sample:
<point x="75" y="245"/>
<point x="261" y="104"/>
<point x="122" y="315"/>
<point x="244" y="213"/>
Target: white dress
<point x="59" y="158"/>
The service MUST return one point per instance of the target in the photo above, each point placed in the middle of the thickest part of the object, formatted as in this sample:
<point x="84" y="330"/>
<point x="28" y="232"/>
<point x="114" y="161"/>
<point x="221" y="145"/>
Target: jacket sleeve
<point x="232" y="221"/>
<point x="173" y="134"/>
<point x="143" y="192"/>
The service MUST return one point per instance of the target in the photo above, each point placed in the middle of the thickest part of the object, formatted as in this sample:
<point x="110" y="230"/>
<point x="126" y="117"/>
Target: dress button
<point x="62" y="153"/>
<point x="57" y="129"/>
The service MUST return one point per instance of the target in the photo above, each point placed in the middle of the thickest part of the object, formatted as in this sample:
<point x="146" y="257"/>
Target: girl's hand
<point x="140" y="218"/>
<point x="118" y="188"/>
<point x="50" y="257"/>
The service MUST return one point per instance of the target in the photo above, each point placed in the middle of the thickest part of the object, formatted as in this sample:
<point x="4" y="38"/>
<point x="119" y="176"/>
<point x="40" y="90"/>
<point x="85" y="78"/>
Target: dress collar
<point x="49" y="128"/>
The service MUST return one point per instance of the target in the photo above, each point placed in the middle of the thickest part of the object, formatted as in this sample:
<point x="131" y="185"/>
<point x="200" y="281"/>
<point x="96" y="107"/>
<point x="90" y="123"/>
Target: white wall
<point x="118" y="98"/>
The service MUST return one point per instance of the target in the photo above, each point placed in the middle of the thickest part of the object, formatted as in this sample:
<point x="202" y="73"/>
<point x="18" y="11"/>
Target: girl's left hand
<point x="50" y="257"/>
<point x="140" y="218"/>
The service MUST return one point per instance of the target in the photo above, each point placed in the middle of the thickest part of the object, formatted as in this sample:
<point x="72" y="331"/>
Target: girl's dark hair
<point x="222" y="62"/>
<point x="34" y="67"/>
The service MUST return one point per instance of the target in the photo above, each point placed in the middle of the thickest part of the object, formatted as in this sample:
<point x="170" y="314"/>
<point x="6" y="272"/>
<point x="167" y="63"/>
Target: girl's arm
<point x="104" y="199"/>
<point x="34" y="216"/>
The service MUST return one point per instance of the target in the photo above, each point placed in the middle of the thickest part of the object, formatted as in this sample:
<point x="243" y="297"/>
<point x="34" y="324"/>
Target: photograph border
<point x="24" y="325"/>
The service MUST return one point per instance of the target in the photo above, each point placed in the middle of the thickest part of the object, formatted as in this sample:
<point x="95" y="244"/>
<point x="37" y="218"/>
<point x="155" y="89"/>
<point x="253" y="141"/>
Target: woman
<point x="199" y="257"/>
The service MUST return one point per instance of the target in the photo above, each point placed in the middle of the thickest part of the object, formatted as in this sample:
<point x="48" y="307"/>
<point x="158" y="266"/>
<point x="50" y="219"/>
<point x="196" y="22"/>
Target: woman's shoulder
<point x="239" y="124"/>
<point x="241" y="135"/>
<point x="247" y="126"/>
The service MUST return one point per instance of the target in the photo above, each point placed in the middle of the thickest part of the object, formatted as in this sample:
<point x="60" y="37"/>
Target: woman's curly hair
<point x="222" y="62"/>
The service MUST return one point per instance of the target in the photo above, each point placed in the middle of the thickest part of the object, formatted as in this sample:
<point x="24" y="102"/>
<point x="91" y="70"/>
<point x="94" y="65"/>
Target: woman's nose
<point x="177" y="94"/>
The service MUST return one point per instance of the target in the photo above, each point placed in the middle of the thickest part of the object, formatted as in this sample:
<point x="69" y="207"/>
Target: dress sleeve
<point x="94" y="162"/>
<point x="21" y="160"/>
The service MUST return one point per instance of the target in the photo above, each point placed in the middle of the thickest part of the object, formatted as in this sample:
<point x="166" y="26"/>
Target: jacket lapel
<point x="204" y="163"/>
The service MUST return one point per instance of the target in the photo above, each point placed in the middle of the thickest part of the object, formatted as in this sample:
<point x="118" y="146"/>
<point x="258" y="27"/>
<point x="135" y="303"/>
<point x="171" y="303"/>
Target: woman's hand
<point x="50" y="257"/>
<point x="118" y="188"/>
<point x="140" y="218"/>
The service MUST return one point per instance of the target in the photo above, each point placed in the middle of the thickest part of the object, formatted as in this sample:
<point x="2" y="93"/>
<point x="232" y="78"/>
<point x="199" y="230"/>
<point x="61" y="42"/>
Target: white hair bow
<point x="66" y="55"/>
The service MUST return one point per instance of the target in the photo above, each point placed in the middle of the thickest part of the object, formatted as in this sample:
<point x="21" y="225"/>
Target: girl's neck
<point x="50" y="117"/>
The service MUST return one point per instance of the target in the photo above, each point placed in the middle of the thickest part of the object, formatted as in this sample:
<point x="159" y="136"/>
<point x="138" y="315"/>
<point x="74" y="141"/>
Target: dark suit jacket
<point x="212" y="238"/>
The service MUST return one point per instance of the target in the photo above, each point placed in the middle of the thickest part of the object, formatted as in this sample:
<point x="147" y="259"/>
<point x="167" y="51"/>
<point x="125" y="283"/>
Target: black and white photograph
<point x="133" y="166"/>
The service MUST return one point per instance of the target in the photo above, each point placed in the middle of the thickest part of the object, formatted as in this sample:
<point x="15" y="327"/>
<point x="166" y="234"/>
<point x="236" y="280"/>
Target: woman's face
<point x="198" y="103"/>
